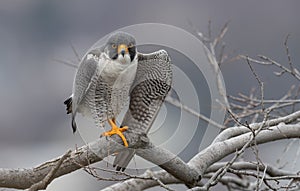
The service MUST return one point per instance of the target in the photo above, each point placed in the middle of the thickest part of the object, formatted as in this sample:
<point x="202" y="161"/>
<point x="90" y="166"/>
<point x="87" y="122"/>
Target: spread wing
<point x="150" y="87"/>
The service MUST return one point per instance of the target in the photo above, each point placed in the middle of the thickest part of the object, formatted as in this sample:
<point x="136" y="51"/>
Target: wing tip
<point x="68" y="103"/>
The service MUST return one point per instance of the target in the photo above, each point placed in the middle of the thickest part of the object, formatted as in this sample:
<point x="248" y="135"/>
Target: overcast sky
<point x="32" y="33"/>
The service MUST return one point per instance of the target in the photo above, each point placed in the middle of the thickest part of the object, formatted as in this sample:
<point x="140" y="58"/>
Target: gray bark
<point x="95" y="152"/>
<point x="215" y="152"/>
<point x="172" y="165"/>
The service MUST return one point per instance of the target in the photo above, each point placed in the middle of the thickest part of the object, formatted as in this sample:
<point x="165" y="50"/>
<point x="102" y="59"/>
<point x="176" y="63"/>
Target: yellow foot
<point x="116" y="130"/>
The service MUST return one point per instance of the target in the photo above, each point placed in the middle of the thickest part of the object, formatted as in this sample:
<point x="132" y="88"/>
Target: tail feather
<point x="122" y="159"/>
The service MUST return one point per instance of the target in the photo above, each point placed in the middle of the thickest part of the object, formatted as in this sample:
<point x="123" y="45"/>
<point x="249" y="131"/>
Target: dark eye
<point x="130" y="45"/>
<point x="114" y="46"/>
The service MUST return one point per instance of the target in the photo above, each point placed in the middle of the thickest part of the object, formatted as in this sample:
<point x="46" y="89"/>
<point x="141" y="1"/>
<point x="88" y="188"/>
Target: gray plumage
<point x="101" y="90"/>
<point x="151" y="85"/>
<point x="103" y="80"/>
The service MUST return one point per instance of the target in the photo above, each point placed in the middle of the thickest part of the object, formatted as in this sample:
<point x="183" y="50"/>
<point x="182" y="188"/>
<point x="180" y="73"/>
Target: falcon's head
<point x="121" y="47"/>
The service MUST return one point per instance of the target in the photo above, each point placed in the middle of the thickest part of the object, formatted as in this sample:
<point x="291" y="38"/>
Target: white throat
<point x="113" y="68"/>
<point x="124" y="60"/>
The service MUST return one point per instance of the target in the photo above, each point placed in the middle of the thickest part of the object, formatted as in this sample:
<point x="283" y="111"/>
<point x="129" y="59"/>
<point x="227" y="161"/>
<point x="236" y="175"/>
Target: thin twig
<point x="288" y="53"/>
<point x="178" y="104"/>
<point x="68" y="63"/>
<point x="221" y="35"/>
<point x="75" y="52"/>
<point x="249" y="173"/>
<point x="159" y="181"/>
<point x="50" y="176"/>
<point x="268" y="61"/>
<point x="261" y="84"/>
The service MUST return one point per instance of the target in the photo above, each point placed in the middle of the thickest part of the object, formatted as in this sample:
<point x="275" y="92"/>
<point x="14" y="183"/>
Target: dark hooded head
<point x="121" y="46"/>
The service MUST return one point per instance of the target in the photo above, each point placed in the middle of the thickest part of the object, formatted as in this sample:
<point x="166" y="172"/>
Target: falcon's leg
<point x="116" y="130"/>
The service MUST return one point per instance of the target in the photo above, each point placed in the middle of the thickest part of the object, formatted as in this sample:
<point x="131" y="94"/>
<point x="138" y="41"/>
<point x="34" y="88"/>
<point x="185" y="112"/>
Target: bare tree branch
<point x="271" y="171"/>
<point x="50" y="176"/>
<point x="268" y="61"/>
<point x="94" y="152"/>
<point x="24" y="178"/>
<point x="238" y="130"/>
<point x="214" y="153"/>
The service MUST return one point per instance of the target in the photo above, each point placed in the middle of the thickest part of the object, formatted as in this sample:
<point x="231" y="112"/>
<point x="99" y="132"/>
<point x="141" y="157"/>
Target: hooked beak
<point x="122" y="49"/>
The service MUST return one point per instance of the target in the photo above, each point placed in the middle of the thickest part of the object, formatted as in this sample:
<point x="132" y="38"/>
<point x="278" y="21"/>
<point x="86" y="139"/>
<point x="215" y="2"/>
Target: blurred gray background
<point x="33" y="123"/>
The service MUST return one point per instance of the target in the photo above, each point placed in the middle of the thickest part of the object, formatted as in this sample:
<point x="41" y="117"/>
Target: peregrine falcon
<point x="102" y="82"/>
<point x="150" y="87"/>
